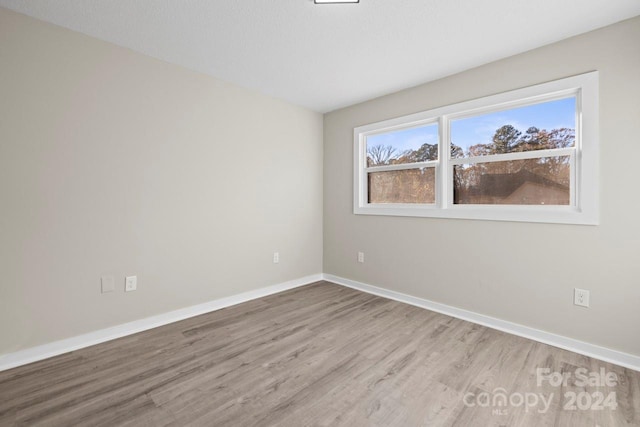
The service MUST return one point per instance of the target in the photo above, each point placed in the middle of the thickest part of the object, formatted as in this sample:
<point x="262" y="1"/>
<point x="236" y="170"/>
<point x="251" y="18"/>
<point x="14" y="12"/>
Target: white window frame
<point x="584" y="193"/>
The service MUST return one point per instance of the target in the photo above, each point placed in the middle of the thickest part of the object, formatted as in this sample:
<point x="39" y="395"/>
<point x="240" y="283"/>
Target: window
<point x="526" y="155"/>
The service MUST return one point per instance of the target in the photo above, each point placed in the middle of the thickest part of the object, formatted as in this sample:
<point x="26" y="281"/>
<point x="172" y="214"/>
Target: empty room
<point x="319" y="213"/>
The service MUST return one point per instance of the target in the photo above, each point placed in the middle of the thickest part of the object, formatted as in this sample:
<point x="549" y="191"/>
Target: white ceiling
<point x="328" y="56"/>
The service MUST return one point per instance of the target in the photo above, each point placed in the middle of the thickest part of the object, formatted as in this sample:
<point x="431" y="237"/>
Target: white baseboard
<point x="45" y="351"/>
<point x="601" y="353"/>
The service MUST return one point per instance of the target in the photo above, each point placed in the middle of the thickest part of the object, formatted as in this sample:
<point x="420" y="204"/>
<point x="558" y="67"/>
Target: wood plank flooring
<point x="319" y="355"/>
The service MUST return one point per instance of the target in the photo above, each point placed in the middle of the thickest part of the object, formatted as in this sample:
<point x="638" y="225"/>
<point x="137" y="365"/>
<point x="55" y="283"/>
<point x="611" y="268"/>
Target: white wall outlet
<point x="276" y="257"/>
<point x="107" y="284"/>
<point x="360" y="256"/>
<point x="581" y="297"/>
<point x="130" y="283"/>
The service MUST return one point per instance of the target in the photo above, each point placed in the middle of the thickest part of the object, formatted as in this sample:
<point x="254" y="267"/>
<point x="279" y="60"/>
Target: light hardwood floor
<point x="317" y="355"/>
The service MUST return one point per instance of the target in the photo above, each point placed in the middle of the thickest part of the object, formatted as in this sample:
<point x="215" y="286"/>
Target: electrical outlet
<point x="581" y="297"/>
<point x="107" y="284"/>
<point x="130" y="283"/>
<point x="276" y="257"/>
<point x="360" y="256"/>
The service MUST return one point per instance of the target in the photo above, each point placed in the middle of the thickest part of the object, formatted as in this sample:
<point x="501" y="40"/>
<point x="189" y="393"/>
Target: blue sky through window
<point x="480" y="129"/>
<point x="406" y="139"/>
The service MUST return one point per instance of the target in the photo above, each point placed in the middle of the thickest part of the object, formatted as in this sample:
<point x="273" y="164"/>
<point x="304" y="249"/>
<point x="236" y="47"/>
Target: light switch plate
<point x="107" y="284"/>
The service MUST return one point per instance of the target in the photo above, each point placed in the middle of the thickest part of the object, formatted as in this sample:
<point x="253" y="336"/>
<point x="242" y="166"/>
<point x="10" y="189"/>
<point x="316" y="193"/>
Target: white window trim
<point x="584" y="158"/>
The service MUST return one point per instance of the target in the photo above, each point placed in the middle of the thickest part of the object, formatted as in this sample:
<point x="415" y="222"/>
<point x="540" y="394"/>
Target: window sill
<point x="536" y="214"/>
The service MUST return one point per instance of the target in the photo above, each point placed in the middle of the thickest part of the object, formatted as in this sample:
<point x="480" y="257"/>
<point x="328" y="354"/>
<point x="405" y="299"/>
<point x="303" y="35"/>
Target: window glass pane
<point x="544" y="181"/>
<point x="534" y="127"/>
<point x="419" y="144"/>
<point x="403" y="186"/>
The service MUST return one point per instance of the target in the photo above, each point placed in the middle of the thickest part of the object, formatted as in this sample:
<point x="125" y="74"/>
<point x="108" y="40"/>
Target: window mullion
<point x="444" y="176"/>
<point x="521" y="155"/>
<point x="401" y="166"/>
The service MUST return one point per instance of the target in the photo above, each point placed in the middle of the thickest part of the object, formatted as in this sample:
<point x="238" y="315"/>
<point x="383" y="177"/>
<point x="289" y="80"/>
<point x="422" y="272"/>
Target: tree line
<point x="506" y="139"/>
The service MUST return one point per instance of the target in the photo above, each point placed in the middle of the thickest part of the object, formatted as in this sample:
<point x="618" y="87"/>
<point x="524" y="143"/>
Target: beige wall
<point x="521" y="272"/>
<point x="115" y="163"/>
<point x="112" y="162"/>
